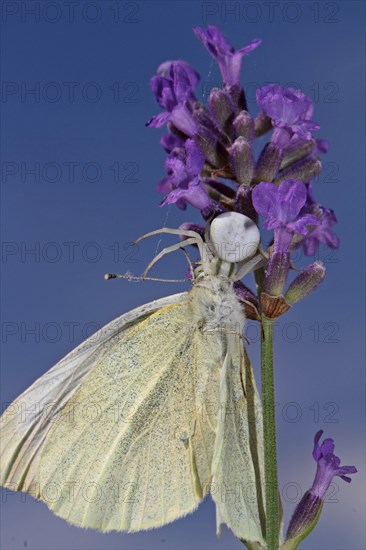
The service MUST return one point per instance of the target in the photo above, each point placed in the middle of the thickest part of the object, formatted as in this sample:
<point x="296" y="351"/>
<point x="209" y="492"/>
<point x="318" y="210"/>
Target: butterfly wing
<point x="27" y="421"/>
<point x="238" y="470"/>
<point x="132" y="446"/>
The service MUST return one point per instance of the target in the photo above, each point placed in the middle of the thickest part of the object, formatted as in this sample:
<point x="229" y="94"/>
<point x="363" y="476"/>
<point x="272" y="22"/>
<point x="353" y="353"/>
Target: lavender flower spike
<point x="228" y="58"/>
<point x="308" y="510"/>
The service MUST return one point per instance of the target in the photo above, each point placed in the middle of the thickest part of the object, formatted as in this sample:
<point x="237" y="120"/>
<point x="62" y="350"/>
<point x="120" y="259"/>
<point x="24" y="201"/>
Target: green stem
<point x="269" y="435"/>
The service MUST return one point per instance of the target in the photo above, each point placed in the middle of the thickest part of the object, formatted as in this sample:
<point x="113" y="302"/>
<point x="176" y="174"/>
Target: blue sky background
<point x="90" y="67"/>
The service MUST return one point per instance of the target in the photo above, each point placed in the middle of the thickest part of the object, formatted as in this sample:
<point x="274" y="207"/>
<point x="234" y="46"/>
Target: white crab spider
<point x="231" y="248"/>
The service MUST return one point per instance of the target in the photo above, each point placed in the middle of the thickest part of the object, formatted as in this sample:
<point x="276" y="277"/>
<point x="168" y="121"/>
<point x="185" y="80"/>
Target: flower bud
<point x="188" y="226"/>
<point x="303" y="170"/>
<point x="212" y="211"/>
<point x="237" y="96"/>
<point x="276" y="273"/>
<point x="174" y="130"/>
<point x="241" y="160"/>
<point x="208" y="139"/>
<point x="305" y="283"/>
<point x="243" y="126"/>
<point x="244" y="293"/>
<point x="262" y="124"/>
<point x="221" y="188"/>
<point x="220" y="192"/>
<point x="204" y="121"/>
<point x="221" y="107"/>
<point x="268" y="163"/>
<point x="248" y="300"/>
<point x="297" y="151"/>
<point x="244" y="203"/>
<point x="211" y="148"/>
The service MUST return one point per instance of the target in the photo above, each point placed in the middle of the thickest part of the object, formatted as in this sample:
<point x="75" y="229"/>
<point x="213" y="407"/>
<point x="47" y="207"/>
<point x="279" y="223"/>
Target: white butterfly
<point x="134" y="427"/>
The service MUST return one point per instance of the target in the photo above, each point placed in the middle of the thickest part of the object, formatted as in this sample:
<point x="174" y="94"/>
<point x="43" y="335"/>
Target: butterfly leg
<point x="227" y="331"/>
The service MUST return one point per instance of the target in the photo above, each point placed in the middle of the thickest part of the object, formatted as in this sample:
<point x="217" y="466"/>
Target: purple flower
<point x="184" y="184"/>
<point x="174" y="87"/>
<point x="174" y="83"/>
<point x="290" y="111"/>
<point x="228" y="58"/>
<point x="281" y="208"/>
<point x="181" y="117"/>
<point x="328" y="466"/>
<point x="322" y="233"/>
<point x="307" y="512"/>
<point x="170" y="141"/>
<point x="321" y="146"/>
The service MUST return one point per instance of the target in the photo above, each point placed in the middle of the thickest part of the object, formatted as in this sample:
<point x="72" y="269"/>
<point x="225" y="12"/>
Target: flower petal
<point x="292" y="197"/>
<point x="194" y="195"/>
<point x="159" y="120"/>
<point x="301" y="225"/>
<point x="316" y="449"/>
<point x="220" y="48"/>
<point x="165" y="186"/>
<point x="170" y="141"/>
<point x="251" y="46"/>
<point x="195" y="159"/>
<point x="166" y="69"/>
<point x="265" y="198"/>
<point x="182" y="118"/>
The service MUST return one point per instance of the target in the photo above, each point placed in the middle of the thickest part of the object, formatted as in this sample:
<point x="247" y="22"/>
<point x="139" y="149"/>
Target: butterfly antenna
<point x="108" y="276"/>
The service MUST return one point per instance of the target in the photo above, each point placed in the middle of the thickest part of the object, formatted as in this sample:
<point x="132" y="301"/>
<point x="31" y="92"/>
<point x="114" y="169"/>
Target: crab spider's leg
<point x="167" y="250"/>
<point x="208" y="241"/>
<point x="189" y="263"/>
<point x="186" y="233"/>
<point x="245" y="267"/>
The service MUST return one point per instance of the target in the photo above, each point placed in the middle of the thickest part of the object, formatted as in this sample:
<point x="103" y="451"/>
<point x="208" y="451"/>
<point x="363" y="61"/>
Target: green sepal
<point x="293" y="543"/>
